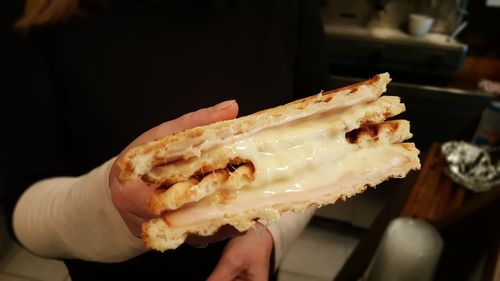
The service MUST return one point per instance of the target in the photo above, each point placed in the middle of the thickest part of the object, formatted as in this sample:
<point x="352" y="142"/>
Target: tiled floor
<point x="317" y="255"/>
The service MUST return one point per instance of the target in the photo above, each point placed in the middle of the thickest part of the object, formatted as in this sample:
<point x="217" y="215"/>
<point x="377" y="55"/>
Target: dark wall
<point x="482" y="33"/>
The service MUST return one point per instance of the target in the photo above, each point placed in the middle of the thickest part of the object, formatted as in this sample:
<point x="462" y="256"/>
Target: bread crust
<point x="137" y="161"/>
<point x="155" y="161"/>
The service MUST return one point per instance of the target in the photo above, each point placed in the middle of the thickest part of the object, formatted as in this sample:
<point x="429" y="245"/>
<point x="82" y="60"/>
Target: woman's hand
<point x="246" y="257"/>
<point x="131" y="198"/>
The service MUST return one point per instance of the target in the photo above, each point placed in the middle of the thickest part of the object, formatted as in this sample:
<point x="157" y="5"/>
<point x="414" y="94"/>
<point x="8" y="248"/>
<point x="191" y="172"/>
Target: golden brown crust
<point x="393" y="131"/>
<point x="218" y="183"/>
<point x="137" y="161"/>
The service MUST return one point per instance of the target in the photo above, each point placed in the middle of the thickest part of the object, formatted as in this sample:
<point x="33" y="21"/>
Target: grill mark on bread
<point x="169" y="173"/>
<point x="215" y="187"/>
<point x="354" y="87"/>
<point x="231" y="166"/>
<point x="206" y="170"/>
<point x="371" y="130"/>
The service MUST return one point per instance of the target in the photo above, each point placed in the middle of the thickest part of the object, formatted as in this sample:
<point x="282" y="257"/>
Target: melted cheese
<point x="299" y="161"/>
<point x="298" y="148"/>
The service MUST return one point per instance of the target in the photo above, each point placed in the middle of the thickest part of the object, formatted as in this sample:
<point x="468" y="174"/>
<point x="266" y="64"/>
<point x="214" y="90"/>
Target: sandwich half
<point x="311" y="151"/>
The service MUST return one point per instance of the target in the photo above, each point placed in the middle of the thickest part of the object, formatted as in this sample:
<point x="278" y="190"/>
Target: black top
<point x="75" y="94"/>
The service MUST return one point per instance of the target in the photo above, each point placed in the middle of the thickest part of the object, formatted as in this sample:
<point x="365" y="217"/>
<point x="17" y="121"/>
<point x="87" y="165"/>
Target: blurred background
<point x="444" y="59"/>
<point x="442" y="76"/>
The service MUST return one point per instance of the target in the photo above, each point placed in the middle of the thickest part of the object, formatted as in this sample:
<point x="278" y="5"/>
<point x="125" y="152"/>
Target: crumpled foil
<point x="476" y="168"/>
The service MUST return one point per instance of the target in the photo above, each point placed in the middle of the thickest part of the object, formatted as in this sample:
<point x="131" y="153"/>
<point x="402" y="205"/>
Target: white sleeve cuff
<point x="75" y="218"/>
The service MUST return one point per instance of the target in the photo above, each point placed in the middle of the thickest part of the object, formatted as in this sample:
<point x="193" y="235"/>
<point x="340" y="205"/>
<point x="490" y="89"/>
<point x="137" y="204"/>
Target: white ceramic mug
<point x="419" y="25"/>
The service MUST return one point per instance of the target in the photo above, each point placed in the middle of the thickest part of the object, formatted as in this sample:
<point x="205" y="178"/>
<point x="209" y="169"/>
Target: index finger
<point x="223" y="111"/>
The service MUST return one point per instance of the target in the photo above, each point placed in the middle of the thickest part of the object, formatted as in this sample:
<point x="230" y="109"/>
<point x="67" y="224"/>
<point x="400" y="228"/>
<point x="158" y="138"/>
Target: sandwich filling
<point x="294" y="162"/>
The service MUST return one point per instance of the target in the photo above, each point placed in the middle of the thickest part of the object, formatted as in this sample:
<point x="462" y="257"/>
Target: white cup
<point x="419" y="25"/>
<point x="409" y="251"/>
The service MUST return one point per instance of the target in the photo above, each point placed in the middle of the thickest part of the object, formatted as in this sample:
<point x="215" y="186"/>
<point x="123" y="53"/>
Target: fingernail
<point x="224" y="105"/>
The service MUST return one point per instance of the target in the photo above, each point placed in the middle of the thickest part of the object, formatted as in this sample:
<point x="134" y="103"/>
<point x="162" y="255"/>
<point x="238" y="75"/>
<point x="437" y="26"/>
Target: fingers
<point x="132" y="198"/>
<point x="260" y="272"/>
<point x="223" y="111"/>
<point x="245" y="257"/>
<point x="136" y="195"/>
<point x="229" y="269"/>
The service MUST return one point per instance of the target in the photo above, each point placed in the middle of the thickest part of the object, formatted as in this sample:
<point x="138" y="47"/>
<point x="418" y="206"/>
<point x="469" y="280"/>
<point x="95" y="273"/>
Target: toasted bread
<point x="309" y="152"/>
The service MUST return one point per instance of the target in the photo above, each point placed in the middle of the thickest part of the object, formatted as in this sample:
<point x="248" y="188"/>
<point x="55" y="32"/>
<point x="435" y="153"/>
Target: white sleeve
<point x="74" y="218"/>
<point x="286" y="230"/>
<point x="68" y="217"/>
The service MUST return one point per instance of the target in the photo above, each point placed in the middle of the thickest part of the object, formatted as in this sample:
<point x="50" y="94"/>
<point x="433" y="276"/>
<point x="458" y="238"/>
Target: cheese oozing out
<point x="299" y="161"/>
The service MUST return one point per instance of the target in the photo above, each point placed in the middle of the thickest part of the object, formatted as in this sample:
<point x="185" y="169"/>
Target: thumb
<point x="223" y="111"/>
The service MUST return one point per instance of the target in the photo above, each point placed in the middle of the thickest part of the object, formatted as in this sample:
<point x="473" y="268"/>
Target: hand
<point x="246" y="257"/>
<point x="131" y="198"/>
